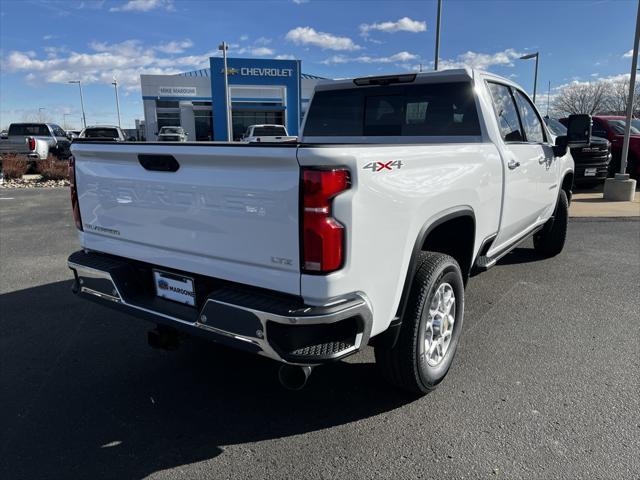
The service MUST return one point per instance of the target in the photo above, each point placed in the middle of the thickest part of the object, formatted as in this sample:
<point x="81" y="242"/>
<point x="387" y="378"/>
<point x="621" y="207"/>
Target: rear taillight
<point x="322" y="239"/>
<point x="32" y="143"/>
<point x="75" y="206"/>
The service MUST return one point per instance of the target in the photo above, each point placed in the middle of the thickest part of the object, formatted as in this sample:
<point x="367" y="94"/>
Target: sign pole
<point x="227" y="104"/>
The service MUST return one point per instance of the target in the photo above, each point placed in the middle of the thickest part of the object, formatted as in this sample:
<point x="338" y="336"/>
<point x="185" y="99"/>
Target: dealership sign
<point x="177" y="91"/>
<point x="259" y="72"/>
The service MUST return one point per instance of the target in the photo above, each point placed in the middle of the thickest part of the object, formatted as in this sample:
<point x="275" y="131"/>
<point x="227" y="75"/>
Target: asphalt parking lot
<point x="545" y="384"/>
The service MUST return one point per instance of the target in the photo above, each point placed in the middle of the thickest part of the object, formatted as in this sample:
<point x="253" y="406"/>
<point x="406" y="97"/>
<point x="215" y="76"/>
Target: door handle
<point x="513" y="164"/>
<point x="542" y="159"/>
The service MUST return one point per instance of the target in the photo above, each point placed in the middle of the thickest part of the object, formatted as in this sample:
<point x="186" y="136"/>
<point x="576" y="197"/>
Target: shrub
<point x="14" y="166"/>
<point x="53" y="169"/>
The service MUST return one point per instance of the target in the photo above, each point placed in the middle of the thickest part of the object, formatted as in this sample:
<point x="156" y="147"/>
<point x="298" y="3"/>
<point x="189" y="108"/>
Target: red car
<point x="612" y="128"/>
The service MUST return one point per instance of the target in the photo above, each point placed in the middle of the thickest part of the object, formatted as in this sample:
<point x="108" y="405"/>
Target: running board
<point x="485" y="262"/>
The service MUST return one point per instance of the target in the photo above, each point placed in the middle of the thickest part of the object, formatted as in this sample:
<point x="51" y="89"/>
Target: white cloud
<point x="175" y="46"/>
<point x="482" y="60"/>
<point x="262" y="51"/>
<point x="253" y="51"/>
<point x="143" y="6"/>
<point x="335" y="59"/>
<point x="401" y="57"/>
<point x="628" y="54"/>
<point x="405" y="24"/>
<point x="284" y="56"/>
<point x="102" y="62"/>
<point x="244" y="38"/>
<point x="610" y="79"/>
<point x="49" y="37"/>
<point x="300" y="2"/>
<point x="326" y="41"/>
<point x="91" y="5"/>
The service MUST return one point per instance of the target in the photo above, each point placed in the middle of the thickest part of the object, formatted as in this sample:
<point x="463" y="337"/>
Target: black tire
<point x="405" y="364"/>
<point x="549" y="241"/>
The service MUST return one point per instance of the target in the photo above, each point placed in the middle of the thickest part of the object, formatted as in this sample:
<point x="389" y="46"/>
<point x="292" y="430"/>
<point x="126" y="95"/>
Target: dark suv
<point x="592" y="162"/>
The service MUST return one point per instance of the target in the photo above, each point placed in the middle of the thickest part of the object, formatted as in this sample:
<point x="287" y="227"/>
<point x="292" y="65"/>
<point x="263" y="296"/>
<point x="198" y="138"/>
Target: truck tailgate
<point x="229" y="212"/>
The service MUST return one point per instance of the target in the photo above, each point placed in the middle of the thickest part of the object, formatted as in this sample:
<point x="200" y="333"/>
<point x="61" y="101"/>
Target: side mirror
<point x="579" y="130"/>
<point x="561" y="146"/>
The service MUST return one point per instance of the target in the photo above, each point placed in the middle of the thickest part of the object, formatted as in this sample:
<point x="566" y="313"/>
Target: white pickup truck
<point x="267" y="133"/>
<point x="35" y="141"/>
<point x="362" y="233"/>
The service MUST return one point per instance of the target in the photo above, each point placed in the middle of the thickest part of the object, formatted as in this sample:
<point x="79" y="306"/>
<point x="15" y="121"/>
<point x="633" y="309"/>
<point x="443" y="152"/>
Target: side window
<point x="532" y="124"/>
<point x="506" y="112"/>
<point x="57" y="131"/>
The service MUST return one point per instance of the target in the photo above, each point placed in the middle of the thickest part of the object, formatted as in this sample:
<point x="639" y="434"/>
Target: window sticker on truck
<point x="382" y="166"/>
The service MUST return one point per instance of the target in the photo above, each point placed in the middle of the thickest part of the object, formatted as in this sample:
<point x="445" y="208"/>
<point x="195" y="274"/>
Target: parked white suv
<point x="364" y="232"/>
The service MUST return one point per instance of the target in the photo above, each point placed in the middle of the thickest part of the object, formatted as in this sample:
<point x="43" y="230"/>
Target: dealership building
<point x="261" y="91"/>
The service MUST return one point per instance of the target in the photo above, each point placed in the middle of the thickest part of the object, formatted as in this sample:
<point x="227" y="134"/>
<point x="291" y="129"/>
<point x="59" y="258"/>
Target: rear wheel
<point x="430" y="329"/>
<point x="549" y="241"/>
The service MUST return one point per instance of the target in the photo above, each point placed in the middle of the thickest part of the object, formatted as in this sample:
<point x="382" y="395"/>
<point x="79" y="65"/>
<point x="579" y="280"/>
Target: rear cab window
<point x="268" y="131"/>
<point x="416" y="110"/>
<point x="36" y="129"/>
<point x="101" y="133"/>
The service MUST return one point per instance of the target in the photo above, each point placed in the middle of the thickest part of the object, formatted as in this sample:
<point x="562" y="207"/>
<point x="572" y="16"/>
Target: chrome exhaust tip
<point x="294" y="377"/>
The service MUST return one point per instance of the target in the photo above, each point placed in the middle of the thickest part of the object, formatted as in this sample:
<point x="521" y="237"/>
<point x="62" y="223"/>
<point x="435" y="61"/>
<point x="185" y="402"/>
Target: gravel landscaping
<point x="33" y="181"/>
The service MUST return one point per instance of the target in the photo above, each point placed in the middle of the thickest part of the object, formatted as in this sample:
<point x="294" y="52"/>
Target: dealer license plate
<point x="174" y="287"/>
<point x="589" y="172"/>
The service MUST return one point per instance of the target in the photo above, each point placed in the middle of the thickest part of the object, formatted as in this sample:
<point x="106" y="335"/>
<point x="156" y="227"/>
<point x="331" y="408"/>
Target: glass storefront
<point x="204" y="125"/>
<point x="167" y="113"/>
<point x="243" y="118"/>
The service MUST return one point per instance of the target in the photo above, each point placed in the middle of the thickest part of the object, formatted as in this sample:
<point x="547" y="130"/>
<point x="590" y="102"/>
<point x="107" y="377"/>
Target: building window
<point x="204" y="123"/>
<point x="168" y="119"/>
<point x="167" y="104"/>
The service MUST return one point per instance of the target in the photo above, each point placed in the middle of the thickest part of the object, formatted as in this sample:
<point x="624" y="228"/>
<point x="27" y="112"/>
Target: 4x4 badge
<point x="381" y="166"/>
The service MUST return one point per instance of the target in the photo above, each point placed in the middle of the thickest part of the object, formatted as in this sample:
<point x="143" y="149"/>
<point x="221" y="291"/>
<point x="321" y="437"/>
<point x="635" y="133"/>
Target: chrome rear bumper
<point x="276" y="326"/>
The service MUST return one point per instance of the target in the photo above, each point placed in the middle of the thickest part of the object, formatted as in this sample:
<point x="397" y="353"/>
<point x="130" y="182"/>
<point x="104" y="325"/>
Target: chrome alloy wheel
<point x="439" y="325"/>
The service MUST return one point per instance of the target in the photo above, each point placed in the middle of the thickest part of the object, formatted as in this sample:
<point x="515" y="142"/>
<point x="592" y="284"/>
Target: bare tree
<point x="36" y="116"/>
<point x="580" y="98"/>
<point x="617" y="96"/>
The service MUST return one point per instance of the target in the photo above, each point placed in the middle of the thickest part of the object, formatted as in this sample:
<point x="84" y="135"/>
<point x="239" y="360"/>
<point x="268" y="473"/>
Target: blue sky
<point x="578" y="40"/>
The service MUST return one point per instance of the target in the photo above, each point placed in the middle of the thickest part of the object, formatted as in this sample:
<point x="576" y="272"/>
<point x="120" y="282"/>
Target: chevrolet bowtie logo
<point x="230" y="71"/>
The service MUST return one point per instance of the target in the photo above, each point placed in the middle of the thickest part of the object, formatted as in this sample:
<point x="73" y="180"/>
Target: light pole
<point x="632" y="86"/>
<point x="535" y="55"/>
<point x="84" y="118"/>
<point x="435" y="63"/>
<point x="115" y="85"/>
<point x="224" y="46"/>
<point x="621" y="187"/>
